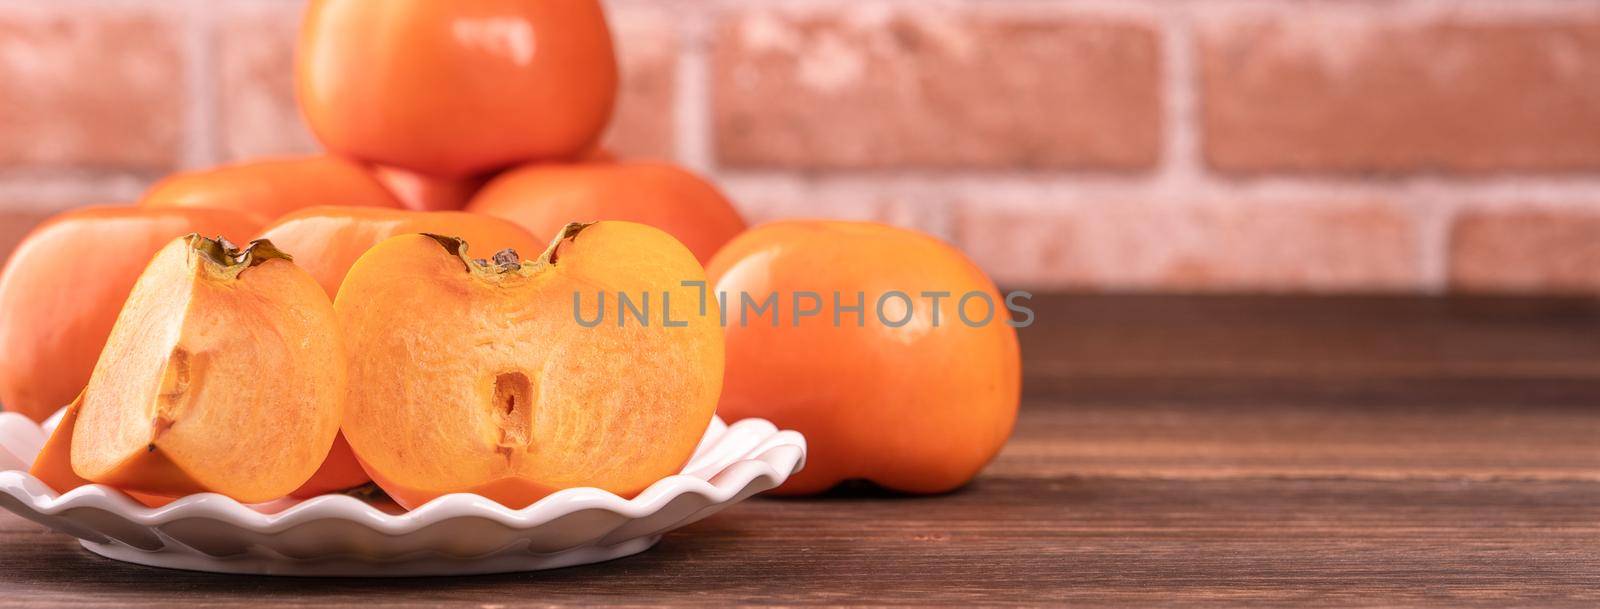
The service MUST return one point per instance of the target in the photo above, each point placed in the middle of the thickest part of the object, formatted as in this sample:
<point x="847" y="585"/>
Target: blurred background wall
<point x="1148" y="145"/>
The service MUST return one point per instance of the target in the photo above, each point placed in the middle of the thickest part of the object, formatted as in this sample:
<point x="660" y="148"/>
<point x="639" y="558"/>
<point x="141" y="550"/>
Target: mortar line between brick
<point x="200" y="64"/>
<point x="692" y="122"/>
<point x="1181" y="163"/>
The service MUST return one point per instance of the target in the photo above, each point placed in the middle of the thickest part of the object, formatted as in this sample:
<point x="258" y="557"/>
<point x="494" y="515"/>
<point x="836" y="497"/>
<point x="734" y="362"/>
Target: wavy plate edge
<point x="730" y="460"/>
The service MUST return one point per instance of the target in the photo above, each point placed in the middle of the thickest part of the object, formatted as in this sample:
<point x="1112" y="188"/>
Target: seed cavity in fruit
<point x="176" y="379"/>
<point x="513" y="405"/>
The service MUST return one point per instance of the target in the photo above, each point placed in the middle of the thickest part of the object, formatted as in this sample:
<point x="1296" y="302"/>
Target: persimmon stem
<point x="568" y="232"/>
<point x="229" y="259"/>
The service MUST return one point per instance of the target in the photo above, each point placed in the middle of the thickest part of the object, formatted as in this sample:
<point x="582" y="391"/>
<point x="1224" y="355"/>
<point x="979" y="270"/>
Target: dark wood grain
<point x="1207" y="451"/>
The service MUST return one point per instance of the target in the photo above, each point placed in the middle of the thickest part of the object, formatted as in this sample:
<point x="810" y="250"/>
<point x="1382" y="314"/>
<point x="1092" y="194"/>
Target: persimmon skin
<point x="58" y="301"/>
<point x="543" y="198"/>
<point x="456" y="89"/>
<point x="326" y="241"/>
<point x="339" y="471"/>
<point x="478" y="379"/>
<point x="422" y="192"/>
<point x="918" y="409"/>
<point x="270" y="188"/>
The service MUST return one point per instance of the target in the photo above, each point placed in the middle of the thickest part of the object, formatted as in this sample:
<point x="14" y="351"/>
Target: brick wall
<point x="1212" y="145"/>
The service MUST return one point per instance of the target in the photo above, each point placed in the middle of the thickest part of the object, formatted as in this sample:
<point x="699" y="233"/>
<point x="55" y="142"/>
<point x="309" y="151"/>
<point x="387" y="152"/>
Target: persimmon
<point x="326" y="241"/>
<point x="423" y="192"/>
<point x="224" y="373"/>
<point x="63" y="286"/>
<point x="339" y="471"/>
<point x="273" y="187"/>
<point x="904" y="392"/>
<point x="53" y="465"/>
<point x="543" y="198"/>
<point x="456" y="89"/>
<point x="483" y="376"/>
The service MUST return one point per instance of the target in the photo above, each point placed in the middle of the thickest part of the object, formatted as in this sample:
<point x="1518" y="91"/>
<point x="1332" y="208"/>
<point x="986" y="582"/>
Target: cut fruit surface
<point x="484" y="375"/>
<point x="224" y="373"/>
<point x="325" y="241"/>
<point x="53" y="465"/>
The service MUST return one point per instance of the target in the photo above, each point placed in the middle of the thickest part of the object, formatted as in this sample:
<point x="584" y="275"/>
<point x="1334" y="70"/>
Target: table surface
<point x="1192" y="450"/>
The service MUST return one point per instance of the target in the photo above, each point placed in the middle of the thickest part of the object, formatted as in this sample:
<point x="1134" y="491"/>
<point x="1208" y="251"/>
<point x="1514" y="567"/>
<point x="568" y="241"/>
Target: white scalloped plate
<point x="340" y="535"/>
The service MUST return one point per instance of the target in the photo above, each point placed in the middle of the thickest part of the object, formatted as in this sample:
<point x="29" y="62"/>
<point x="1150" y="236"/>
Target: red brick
<point x="256" y="110"/>
<point x="647" y="55"/>
<point x="1255" y="246"/>
<point x="762" y="201"/>
<point x="101" y="88"/>
<point x="1526" y="250"/>
<point x="935" y="88"/>
<point x="1310" y="91"/>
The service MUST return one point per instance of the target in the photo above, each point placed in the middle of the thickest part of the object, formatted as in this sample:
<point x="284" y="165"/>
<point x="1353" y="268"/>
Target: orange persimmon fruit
<point x="63" y="286"/>
<point x="224" y="373"/>
<point x="894" y="398"/>
<point x="543" y="198"/>
<point x="326" y="241"/>
<point x="456" y="89"/>
<point x="273" y="187"/>
<point x="481" y="376"/>
<point x="422" y="192"/>
<point x="53" y="465"/>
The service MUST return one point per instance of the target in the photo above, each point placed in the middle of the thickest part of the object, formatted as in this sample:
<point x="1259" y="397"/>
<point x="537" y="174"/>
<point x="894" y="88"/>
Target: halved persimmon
<point x="325" y="241"/>
<point x="543" y="198"/>
<point x="63" y="286"/>
<point x="486" y="376"/>
<point x="224" y="373"/>
<point x="273" y="187"/>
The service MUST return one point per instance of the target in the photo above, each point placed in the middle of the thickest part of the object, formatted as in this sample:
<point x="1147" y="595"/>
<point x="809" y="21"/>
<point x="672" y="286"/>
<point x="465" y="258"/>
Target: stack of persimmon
<point x="411" y="308"/>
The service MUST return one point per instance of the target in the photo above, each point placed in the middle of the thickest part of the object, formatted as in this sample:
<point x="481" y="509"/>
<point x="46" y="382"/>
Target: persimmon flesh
<point x="53" y="465"/>
<point x="224" y="373"/>
<point x="886" y="393"/>
<point x="59" y="297"/>
<point x="475" y="375"/>
<point x="543" y="198"/>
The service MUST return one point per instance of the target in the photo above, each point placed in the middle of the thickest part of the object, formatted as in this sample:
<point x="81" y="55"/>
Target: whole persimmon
<point x="326" y="241"/>
<point x="543" y="198"/>
<point x="904" y="392"/>
<point x="422" y="192"/>
<point x="225" y="373"/>
<point x="487" y="377"/>
<point x="455" y="89"/>
<point x="63" y="286"/>
<point x="273" y="187"/>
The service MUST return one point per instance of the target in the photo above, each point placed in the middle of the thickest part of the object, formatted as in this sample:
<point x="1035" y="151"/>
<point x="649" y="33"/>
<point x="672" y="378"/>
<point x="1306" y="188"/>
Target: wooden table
<point x="1195" y="450"/>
